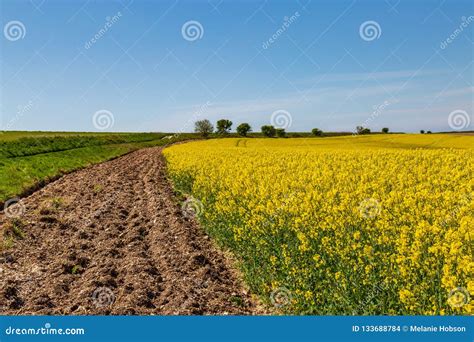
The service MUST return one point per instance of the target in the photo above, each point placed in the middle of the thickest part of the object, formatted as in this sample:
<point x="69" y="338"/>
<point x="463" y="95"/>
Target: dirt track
<point x="111" y="239"/>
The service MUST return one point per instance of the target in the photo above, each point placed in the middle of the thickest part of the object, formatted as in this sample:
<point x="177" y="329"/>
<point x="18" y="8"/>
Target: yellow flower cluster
<point x="349" y="225"/>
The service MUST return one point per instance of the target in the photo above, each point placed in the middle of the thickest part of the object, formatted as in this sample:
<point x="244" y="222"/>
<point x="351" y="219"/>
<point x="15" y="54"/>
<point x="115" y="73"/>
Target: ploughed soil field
<point x="112" y="239"/>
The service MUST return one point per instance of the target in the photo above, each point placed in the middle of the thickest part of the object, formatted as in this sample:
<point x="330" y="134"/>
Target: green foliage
<point x="317" y="132"/>
<point x="8" y="242"/>
<point x="362" y="130"/>
<point x="13" y="229"/>
<point x="97" y="188"/>
<point x="76" y="269"/>
<point x="236" y="300"/>
<point x="422" y="131"/>
<point x="57" y="203"/>
<point x="203" y="127"/>
<point x="243" y="129"/>
<point x="10" y="232"/>
<point x="385" y="130"/>
<point x="280" y="132"/>
<point x="223" y="126"/>
<point x="16" y="229"/>
<point x="268" y="131"/>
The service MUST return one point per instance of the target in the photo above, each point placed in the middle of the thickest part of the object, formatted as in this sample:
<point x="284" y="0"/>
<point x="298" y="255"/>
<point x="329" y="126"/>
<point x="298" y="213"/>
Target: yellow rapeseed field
<point x="349" y="225"/>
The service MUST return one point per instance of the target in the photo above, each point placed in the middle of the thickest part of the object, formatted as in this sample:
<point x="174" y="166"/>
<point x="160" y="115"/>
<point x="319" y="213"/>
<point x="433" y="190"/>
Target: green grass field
<point x="30" y="159"/>
<point x="15" y="135"/>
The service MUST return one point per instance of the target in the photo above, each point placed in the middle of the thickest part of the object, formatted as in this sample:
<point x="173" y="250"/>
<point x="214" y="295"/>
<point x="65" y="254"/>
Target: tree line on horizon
<point x="224" y="126"/>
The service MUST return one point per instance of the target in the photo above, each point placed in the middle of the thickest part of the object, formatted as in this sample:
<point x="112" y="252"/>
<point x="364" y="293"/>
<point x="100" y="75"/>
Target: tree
<point x="317" y="132"/>
<point x="429" y="132"/>
<point x="243" y="129"/>
<point x="422" y="131"/>
<point x="385" y="130"/>
<point x="204" y="127"/>
<point x="223" y="126"/>
<point x="362" y="130"/>
<point x="268" y="131"/>
<point x="280" y="132"/>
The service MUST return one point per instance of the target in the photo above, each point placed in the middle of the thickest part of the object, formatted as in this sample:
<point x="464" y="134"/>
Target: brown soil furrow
<point x="111" y="239"/>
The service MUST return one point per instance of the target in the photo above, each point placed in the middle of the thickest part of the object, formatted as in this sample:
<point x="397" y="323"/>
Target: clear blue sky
<point x="318" y="68"/>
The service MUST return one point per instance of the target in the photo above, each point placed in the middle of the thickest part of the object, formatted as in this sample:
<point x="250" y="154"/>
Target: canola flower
<point x="348" y="225"/>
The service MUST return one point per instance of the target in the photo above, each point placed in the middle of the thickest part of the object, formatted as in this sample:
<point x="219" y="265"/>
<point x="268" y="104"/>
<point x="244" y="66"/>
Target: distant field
<point x="28" y="159"/>
<point x="13" y="135"/>
<point x="25" y="145"/>
<point x="380" y="141"/>
<point x="376" y="224"/>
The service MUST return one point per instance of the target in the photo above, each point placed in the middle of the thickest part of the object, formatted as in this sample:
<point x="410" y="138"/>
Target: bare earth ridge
<point x="111" y="239"/>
